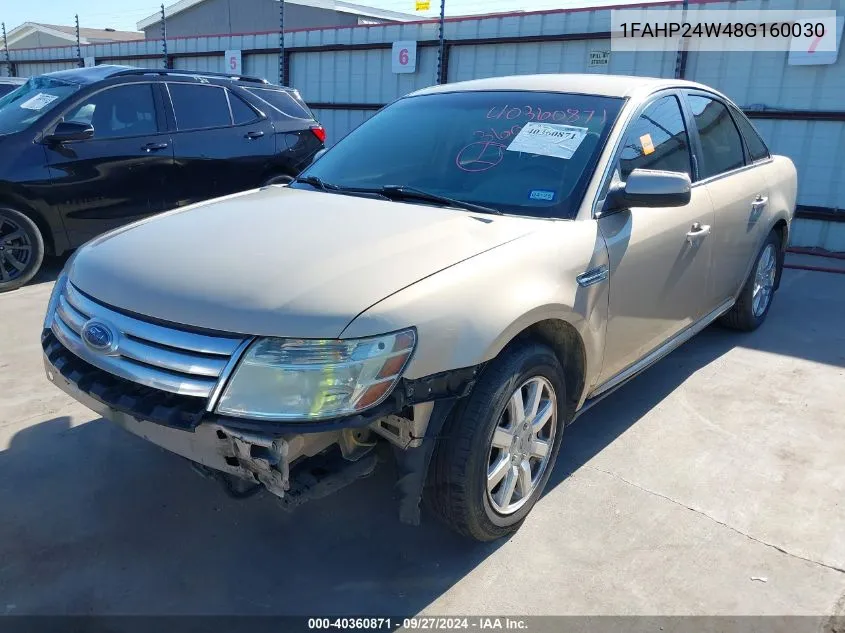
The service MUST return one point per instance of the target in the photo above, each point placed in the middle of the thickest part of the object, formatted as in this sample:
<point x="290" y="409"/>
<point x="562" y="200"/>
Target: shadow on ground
<point x="97" y="521"/>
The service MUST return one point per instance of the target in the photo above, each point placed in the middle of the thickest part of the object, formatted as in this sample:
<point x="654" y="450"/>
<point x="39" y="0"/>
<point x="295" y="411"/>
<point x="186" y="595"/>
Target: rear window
<point x="38" y="96"/>
<point x="198" y="106"/>
<point x="527" y="153"/>
<point x="284" y="102"/>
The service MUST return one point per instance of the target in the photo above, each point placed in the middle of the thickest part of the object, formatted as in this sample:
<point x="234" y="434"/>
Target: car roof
<point x="86" y="76"/>
<point x="624" y="86"/>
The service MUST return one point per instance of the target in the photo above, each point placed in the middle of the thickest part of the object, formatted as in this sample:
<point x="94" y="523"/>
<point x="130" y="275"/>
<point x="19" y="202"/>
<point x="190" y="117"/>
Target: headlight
<point x="287" y="379"/>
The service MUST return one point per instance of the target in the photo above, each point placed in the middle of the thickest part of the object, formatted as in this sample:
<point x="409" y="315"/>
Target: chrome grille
<point x="173" y="360"/>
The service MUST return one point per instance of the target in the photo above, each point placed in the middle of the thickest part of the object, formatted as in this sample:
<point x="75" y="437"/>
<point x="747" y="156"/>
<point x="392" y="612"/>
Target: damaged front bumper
<point x="248" y="454"/>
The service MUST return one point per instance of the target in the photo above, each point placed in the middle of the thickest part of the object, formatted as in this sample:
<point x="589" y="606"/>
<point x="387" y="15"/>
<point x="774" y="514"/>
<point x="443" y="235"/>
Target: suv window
<point x="118" y="112"/>
<point x="22" y="107"/>
<point x="721" y="144"/>
<point x="241" y="111"/>
<point x="658" y="139"/>
<point x="199" y="106"/>
<point x="284" y="102"/>
<point x="756" y="147"/>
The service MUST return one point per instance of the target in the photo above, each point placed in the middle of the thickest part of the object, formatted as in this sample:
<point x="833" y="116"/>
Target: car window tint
<point x="721" y="145"/>
<point x="241" y="112"/>
<point x="117" y="112"/>
<point x="284" y="102"/>
<point x="198" y="106"/>
<point x="756" y="147"/>
<point x="657" y="140"/>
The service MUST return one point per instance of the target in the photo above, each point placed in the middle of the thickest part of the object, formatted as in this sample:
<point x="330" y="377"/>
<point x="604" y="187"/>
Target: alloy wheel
<point x="15" y="250"/>
<point x="521" y="447"/>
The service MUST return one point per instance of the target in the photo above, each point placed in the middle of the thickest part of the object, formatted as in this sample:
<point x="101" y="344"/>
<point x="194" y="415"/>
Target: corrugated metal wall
<point x="346" y="73"/>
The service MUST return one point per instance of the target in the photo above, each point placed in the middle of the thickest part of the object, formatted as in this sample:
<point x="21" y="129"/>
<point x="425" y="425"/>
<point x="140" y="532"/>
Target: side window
<point x="721" y="144"/>
<point x="282" y="101"/>
<point x="657" y="140"/>
<point x="756" y="147"/>
<point x="117" y="112"/>
<point x="241" y="111"/>
<point x="199" y="106"/>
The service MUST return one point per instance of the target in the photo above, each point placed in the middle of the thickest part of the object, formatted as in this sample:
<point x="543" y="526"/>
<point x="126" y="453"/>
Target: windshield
<point x="525" y="153"/>
<point x="39" y="95"/>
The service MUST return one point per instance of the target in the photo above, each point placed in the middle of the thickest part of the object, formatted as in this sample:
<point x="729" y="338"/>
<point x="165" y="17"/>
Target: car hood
<point x="280" y="261"/>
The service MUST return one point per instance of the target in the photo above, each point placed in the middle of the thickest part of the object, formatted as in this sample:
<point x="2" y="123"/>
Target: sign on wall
<point x="233" y="62"/>
<point x="404" y="57"/>
<point x="423" y="5"/>
<point x="804" y="50"/>
<point x="599" y="59"/>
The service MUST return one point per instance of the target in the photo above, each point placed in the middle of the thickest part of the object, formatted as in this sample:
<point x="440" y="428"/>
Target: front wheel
<point x="755" y="299"/>
<point x="498" y="449"/>
<point x="21" y="249"/>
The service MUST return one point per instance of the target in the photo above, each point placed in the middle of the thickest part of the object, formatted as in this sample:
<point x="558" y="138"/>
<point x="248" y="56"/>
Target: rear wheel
<point x="755" y="299"/>
<point x="21" y="249"/>
<point x="498" y="450"/>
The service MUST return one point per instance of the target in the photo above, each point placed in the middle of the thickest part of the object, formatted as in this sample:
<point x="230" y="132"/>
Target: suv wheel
<point x="21" y="249"/>
<point x="498" y="450"/>
<point x="755" y="299"/>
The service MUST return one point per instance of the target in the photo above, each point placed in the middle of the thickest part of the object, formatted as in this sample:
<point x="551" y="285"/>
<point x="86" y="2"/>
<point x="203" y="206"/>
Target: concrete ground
<point x="712" y="484"/>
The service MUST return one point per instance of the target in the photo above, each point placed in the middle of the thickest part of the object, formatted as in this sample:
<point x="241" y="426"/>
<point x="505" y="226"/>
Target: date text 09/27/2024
<point x="422" y="623"/>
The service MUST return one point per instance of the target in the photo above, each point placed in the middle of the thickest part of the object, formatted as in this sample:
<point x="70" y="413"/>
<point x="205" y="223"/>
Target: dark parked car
<point x="87" y="150"/>
<point x="7" y="84"/>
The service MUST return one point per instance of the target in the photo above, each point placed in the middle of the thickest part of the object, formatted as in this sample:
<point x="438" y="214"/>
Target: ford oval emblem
<point x="99" y="336"/>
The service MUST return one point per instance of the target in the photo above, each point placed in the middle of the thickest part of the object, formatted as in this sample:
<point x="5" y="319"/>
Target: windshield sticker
<point x="38" y="102"/>
<point x="541" y="194"/>
<point x="548" y="139"/>
<point x="647" y="143"/>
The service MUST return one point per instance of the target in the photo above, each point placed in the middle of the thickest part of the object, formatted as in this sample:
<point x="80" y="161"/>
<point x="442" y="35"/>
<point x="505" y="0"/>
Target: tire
<point x="457" y="487"/>
<point x="280" y="179"/>
<point x="747" y="315"/>
<point x="21" y="249"/>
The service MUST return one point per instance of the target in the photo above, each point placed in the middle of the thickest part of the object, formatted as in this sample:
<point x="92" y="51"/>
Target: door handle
<point x="697" y="231"/>
<point x="154" y="147"/>
<point x="254" y="135"/>
<point x="759" y="203"/>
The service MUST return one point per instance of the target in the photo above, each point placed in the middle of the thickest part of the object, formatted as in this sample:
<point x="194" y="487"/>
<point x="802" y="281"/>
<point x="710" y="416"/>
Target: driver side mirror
<point x="650" y="188"/>
<point x="71" y="131"/>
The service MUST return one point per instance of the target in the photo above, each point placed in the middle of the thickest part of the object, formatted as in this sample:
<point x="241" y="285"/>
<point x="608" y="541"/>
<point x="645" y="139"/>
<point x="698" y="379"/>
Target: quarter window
<point x="756" y="147"/>
<point x="241" y="112"/>
<point x="721" y="144"/>
<point x="117" y="112"/>
<point x="197" y="106"/>
<point x="657" y="140"/>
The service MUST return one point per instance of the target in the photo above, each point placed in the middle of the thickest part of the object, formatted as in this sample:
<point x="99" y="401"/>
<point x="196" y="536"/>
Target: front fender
<point x="466" y="314"/>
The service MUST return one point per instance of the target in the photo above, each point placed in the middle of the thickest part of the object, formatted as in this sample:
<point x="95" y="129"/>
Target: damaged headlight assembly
<point x="282" y="379"/>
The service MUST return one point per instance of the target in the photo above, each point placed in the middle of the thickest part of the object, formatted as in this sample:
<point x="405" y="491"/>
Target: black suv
<point x="84" y="151"/>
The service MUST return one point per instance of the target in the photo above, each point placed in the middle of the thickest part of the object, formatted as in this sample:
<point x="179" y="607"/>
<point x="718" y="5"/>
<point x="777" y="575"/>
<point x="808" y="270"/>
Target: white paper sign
<point x="404" y="57"/>
<point x="90" y="62"/>
<point x="804" y="51"/>
<point x="548" y="139"/>
<point x="233" y="62"/>
<point x="599" y="58"/>
<point x="38" y="102"/>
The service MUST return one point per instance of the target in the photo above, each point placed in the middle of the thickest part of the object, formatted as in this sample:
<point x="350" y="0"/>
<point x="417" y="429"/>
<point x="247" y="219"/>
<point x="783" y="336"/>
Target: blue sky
<point x="105" y="13"/>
